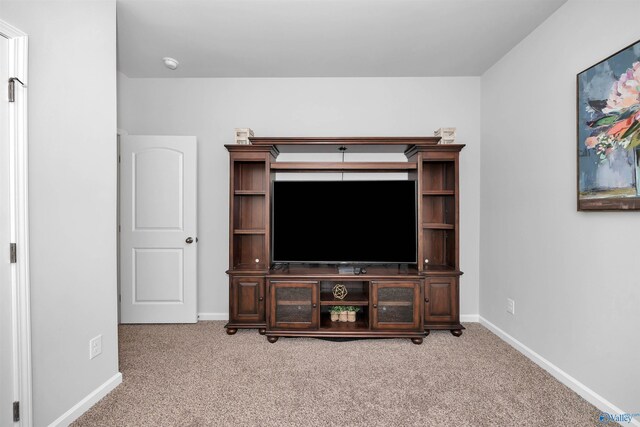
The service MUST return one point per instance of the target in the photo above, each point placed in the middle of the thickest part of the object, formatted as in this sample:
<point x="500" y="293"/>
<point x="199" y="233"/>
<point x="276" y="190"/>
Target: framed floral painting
<point x="609" y="133"/>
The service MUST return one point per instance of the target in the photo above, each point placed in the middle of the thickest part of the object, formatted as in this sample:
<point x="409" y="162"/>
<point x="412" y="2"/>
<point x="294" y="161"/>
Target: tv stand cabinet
<point x="389" y="303"/>
<point x="393" y="301"/>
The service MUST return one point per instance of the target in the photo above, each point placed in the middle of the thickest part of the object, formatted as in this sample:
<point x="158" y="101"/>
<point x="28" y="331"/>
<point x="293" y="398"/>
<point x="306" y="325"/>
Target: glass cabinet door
<point x="396" y="305"/>
<point x="294" y="305"/>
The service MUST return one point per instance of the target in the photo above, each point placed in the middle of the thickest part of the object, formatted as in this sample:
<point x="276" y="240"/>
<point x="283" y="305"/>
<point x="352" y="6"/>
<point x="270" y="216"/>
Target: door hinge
<point x="12" y="88"/>
<point x="16" y="412"/>
<point x="119" y="298"/>
<point x="12" y="253"/>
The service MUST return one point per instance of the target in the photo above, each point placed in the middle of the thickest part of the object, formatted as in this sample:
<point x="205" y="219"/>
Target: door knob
<point x="189" y="240"/>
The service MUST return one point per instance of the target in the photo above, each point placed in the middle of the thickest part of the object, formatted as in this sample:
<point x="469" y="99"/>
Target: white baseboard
<point x="469" y="318"/>
<point x="213" y="316"/>
<point x="91" y="399"/>
<point x="585" y="392"/>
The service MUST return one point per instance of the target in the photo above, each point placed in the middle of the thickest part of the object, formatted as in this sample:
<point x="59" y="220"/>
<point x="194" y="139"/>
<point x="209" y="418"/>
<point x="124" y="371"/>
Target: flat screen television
<point x="351" y="222"/>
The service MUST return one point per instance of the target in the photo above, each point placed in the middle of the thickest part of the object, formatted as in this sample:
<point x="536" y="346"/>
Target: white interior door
<point x="7" y="340"/>
<point x="158" y="234"/>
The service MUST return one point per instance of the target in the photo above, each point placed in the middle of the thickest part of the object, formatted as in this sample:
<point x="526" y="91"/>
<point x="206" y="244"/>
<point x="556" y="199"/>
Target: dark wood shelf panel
<point x="438" y="226"/>
<point x="352" y="298"/>
<point x="325" y="272"/>
<point x="358" y="325"/>
<point x="242" y="270"/>
<point x="440" y="267"/>
<point x="249" y="192"/>
<point x="343" y="166"/>
<point x="248" y="268"/>
<point x="348" y="140"/>
<point x="249" y="231"/>
<point x="436" y="149"/>
<point x="438" y="193"/>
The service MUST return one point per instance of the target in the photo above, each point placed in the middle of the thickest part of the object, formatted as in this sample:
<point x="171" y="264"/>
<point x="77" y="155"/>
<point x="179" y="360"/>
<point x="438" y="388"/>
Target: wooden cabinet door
<point x="395" y="305"/>
<point x="441" y="300"/>
<point x="293" y="305"/>
<point x="247" y="297"/>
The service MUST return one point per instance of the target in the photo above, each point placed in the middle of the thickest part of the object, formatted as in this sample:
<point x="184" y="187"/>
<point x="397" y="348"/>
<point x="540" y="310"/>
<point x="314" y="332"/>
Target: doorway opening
<point x="15" y="325"/>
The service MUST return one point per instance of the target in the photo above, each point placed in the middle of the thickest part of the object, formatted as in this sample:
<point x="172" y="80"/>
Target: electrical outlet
<point x="95" y="346"/>
<point x="511" y="306"/>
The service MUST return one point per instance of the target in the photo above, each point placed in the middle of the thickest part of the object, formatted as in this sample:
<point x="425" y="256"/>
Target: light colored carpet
<point x="197" y="375"/>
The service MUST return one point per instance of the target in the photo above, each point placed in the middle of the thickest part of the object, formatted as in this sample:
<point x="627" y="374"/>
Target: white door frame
<point x="18" y="45"/>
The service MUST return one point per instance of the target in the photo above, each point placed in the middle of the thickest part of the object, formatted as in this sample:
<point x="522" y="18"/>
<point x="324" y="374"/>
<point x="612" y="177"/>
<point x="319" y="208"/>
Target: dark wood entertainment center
<point x="394" y="300"/>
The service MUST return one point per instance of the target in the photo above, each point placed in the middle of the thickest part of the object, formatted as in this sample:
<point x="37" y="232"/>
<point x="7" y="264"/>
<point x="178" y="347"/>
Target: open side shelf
<point x="357" y="293"/>
<point x="438" y="176"/>
<point x="361" y="324"/>
<point x="250" y="176"/>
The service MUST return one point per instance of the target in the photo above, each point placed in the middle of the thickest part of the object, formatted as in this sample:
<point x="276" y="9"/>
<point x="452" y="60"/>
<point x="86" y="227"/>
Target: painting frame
<point x="602" y="134"/>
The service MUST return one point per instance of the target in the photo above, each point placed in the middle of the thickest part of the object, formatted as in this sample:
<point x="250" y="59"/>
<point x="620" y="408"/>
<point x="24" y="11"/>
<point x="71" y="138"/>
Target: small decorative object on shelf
<point x="447" y="135"/>
<point x="340" y="291"/>
<point x="335" y="313"/>
<point x="242" y="135"/>
<point x="351" y="313"/>
<point x="343" y="313"/>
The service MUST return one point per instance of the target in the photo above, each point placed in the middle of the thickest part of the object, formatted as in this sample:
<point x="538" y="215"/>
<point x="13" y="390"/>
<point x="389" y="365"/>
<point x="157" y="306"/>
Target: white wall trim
<point x="469" y="318"/>
<point x="18" y="67"/>
<point x="85" y="404"/>
<point x="566" y="379"/>
<point x="213" y="316"/>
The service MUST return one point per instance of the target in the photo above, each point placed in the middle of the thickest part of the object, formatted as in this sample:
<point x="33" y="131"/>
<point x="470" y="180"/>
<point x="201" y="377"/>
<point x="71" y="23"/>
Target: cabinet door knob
<point x="375" y="305"/>
<point x="315" y="305"/>
<point x="261" y="299"/>
<point x="426" y="300"/>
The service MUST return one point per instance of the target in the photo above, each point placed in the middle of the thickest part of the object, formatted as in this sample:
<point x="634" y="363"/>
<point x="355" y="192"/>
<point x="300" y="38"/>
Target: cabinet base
<point x="455" y="328"/>
<point x="416" y="337"/>
<point x="232" y="327"/>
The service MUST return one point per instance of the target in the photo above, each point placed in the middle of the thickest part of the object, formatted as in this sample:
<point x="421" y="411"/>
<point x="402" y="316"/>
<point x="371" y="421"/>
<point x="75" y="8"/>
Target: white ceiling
<point x="322" y="38"/>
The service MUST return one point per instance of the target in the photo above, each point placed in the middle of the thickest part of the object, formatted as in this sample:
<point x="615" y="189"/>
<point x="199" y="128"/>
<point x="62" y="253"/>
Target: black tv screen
<point x="363" y="222"/>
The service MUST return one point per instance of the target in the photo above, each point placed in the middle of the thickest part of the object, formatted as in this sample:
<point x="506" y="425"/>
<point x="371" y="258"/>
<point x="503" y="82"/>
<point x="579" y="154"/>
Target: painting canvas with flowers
<point x="609" y="133"/>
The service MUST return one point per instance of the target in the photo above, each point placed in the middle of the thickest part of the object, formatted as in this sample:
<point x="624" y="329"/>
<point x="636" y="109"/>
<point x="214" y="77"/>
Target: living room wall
<point x="211" y="108"/>
<point x="72" y="195"/>
<point x="573" y="275"/>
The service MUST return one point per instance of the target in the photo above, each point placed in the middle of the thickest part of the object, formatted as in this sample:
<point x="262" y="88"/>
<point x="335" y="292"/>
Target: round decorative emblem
<point x="339" y="291"/>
